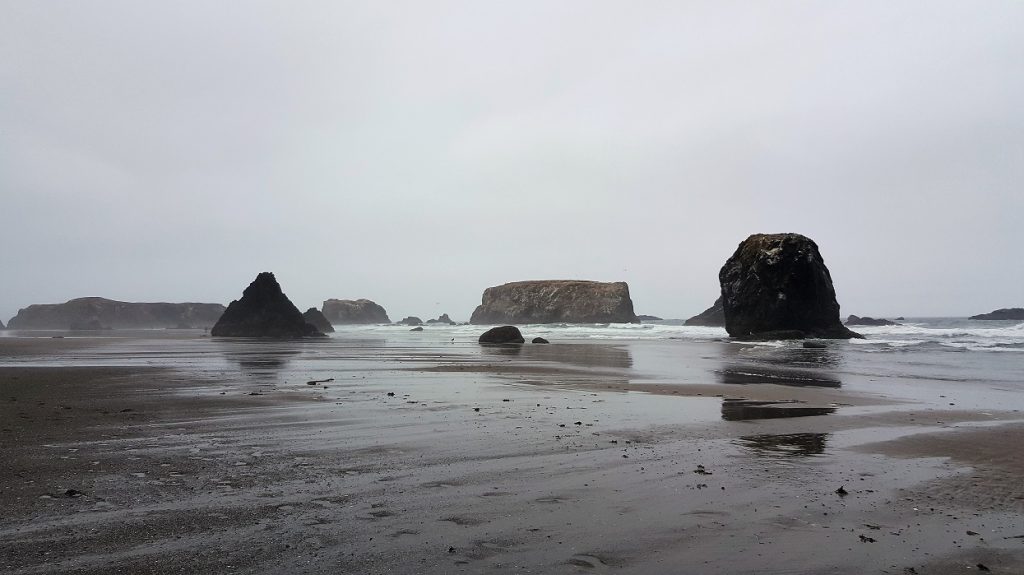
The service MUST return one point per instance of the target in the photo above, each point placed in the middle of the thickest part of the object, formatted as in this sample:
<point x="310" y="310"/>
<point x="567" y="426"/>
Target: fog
<point x="415" y="153"/>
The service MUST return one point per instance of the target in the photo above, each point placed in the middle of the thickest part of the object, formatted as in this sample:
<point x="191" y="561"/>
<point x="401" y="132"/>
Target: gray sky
<point x="415" y="153"/>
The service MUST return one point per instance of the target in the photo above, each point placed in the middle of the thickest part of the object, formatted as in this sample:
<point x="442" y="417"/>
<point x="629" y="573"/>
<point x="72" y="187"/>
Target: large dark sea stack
<point x="776" y="286"/>
<point x="1014" y="313"/>
<point x="503" y="334"/>
<point x="117" y="314"/>
<point x="316" y="319"/>
<point x="358" y="311"/>
<point x="556" y="301"/>
<point x="263" y="311"/>
<point x="714" y="316"/>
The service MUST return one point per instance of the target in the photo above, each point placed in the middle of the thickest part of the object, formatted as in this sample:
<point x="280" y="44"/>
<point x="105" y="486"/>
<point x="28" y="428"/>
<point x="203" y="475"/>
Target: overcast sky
<point x="415" y="153"/>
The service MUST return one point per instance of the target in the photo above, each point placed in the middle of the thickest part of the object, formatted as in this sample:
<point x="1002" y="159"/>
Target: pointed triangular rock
<point x="263" y="311"/>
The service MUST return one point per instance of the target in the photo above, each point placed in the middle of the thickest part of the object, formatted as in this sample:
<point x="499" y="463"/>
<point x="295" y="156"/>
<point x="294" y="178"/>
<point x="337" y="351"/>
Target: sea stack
<point x="868" y="321"/>
<point x="776" y="286"/>
<point x="263" y="311"/>
<point x="354" y="312"/>
<point x="555" y="301"/>
<point x="316" y="319"/>
<point x="714" y="316"/>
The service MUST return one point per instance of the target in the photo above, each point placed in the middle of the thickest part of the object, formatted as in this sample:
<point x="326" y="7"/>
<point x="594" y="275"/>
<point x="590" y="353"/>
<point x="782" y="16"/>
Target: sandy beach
<point x="175" y="453"/>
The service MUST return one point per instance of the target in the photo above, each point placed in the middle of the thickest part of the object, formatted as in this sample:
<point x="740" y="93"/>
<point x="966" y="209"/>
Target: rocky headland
<point x="1014" y="313"/>
<point x="555" y="301"/>
<point x="116" y="315"/>
<point x="868" y="321"/>
<point x="776" y="286"/>
<point x="714" y="316"/>
<point x="263" y="311"/>
<point x="315" y="318"/>
<point x="357" y="311"/>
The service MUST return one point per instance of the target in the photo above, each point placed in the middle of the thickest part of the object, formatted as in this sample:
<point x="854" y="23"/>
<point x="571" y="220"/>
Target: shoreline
<point x="482" y="463"/>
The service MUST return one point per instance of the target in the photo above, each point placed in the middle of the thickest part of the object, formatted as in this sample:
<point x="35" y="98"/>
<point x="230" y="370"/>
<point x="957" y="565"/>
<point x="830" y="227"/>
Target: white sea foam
<point x="949" y="334"/>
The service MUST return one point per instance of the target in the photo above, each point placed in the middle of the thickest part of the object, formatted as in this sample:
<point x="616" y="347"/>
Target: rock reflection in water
<point x="584" y="355"/>
<point x="792" y="444"/>
<point x="756" y="374"/>
<point x="746" y="410"/>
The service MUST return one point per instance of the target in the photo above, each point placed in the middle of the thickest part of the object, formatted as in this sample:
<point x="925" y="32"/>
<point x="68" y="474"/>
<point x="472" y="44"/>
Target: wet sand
<point x="185" y="455"/>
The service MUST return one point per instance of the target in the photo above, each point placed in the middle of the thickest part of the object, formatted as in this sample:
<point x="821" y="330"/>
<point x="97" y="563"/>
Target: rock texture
<point x="117" y="314"/>
<point x="315" y="318"/>
<point x="442" y="319"/>
<point x="503" y="334"/>
<point x="714" y="316"/>
<point x="870" y="321"/>
<point x="1016" y="313"/>
<point x="776" y="286"/>
<point x="556" y="301"/>
<point x="2" y="325"/>
<point x="263" y="311"/>
<point x="91" y="325"/>
<point x="358" y="311"/>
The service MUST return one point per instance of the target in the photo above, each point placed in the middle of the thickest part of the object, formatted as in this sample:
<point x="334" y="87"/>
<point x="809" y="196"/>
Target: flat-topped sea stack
<point x="116" y="315"/>
<point x="1014" y="313"/>
<point x="776" y="286"/>
<point x="868" y="321"/>
<point x="263" y="311"/>
<point x="555" y="301"/>
<point x="315" y="318"/>
<point x="714" y="316"/>
<point x="354" y="312"/>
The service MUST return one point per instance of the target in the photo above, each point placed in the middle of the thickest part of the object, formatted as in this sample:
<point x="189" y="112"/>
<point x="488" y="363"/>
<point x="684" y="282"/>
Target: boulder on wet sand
<point x="316" y="318"/>
<point x="714" y="316"/>
<point x="354" y="311"/>
<point x="503" y="334"/>
<point x="869" y="321"/>
<point x="540" y="340"/>
<point x="776" y="286"/>
<point x="116" y="314"/>
<point x="555" y="301"/>
<point x="263" y="311"/>
<point x="1014" y="313"/>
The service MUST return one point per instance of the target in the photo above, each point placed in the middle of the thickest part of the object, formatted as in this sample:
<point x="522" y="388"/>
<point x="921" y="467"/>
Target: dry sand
<point x="481" y="463"/>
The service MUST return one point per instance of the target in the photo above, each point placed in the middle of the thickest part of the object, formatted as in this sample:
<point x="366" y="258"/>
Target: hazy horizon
<point x="415" y="154"/>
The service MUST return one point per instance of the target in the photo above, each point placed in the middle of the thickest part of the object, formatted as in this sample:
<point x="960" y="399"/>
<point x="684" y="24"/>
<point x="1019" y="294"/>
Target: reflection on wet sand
<point x="755" y="374"/>
<point x="791" y="444"/>
<point x="746" y="410"/>
<point x="259" y="361"/>
<point x="583" y="355"/>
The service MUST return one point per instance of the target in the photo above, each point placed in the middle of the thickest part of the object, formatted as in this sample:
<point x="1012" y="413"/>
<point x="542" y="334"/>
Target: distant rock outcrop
<point x="643" y="318"/>
<point x="556" y="301"/>
<point x="359" y="311"/>
<point x="315" y="318"/>
<point x="1015" y="313"/>
<point x="869" y="321"/>
<point x="263" y="311"/>
<point x="503" y="334"/>
<point x="776" y="286"/>
<point x="116" y="314"/>
<point x="442" y="319"/>
<point x="714" y="316"/>
<point x="411" y="320"/>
